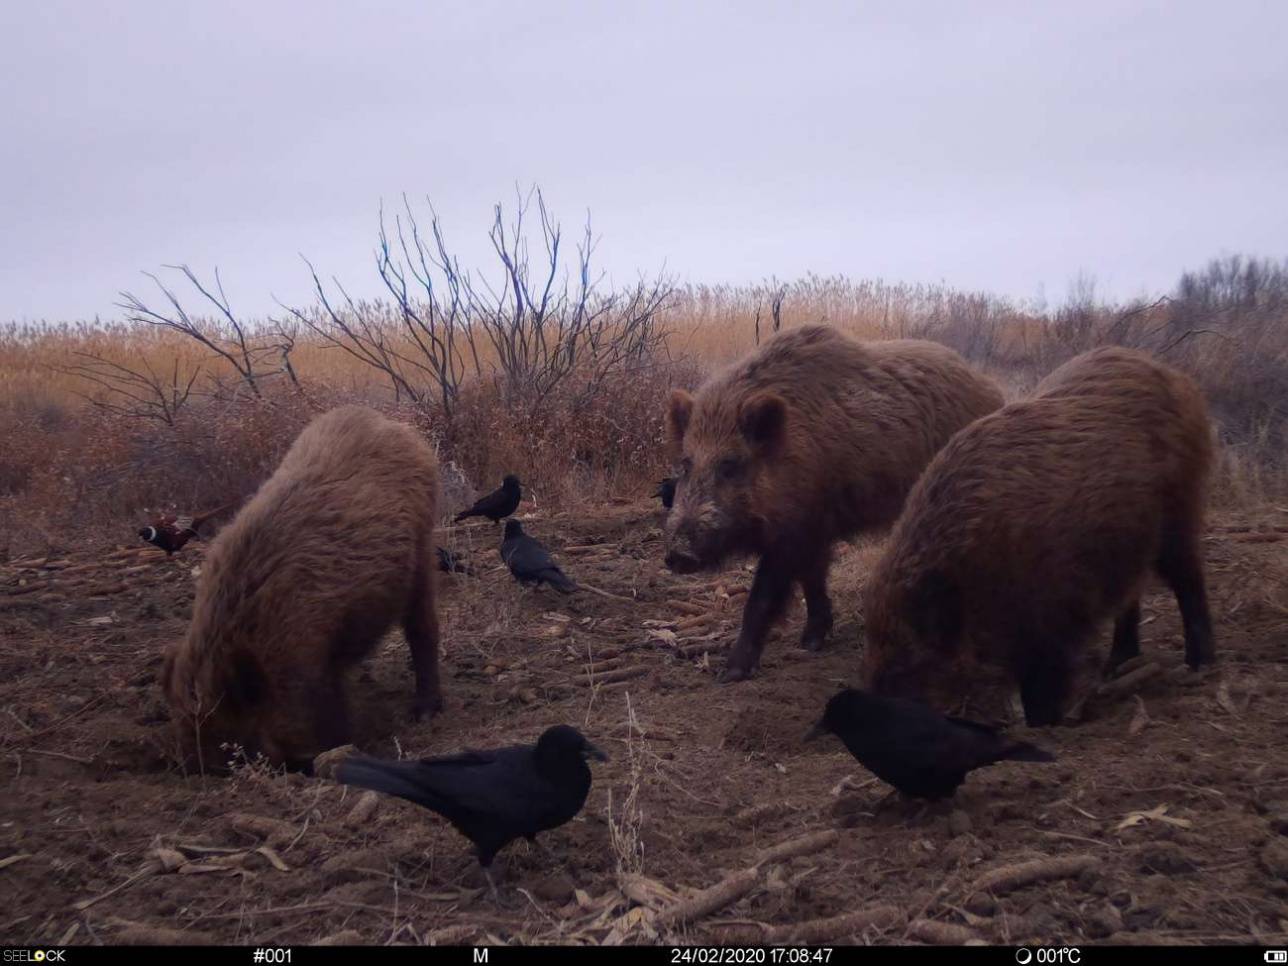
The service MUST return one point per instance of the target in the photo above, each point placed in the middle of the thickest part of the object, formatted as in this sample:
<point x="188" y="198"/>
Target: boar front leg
<point x="765" y="604"/>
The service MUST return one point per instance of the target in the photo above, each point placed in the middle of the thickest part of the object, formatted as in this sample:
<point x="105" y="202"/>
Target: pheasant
<point x="171" y="532"/>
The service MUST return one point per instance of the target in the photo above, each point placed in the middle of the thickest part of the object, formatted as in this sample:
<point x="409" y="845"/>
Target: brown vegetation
<point x="198" y="436"/>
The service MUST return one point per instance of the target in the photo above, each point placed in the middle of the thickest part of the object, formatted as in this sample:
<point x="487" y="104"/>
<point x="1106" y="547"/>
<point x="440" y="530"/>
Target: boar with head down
<point x="335" y="548"/>
<point x="1037" y="525"/>
<point x="813" y="438"/>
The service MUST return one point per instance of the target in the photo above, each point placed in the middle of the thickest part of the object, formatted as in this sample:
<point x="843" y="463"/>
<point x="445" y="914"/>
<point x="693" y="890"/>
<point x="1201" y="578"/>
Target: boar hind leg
<point x="1181" y="567"/>
<point x="765" y="604"/>
<point x="1126" y="637"/>
<point x="331" y="727"/>
<point x="420" y="626"/>
<point x="818" y="606"/>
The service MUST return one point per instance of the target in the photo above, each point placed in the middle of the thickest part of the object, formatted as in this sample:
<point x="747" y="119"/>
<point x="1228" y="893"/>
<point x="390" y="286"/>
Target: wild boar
<point x="334" y="548"/>
<point x="813" y="438"/>
<point x="1037" y="523"/>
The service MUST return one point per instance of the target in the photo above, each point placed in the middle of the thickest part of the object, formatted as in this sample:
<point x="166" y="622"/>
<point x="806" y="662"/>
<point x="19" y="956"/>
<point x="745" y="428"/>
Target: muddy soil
<point x="1168" y="806"/>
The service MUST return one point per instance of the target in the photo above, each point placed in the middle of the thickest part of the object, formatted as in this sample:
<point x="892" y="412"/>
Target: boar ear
<point x="678" y="413"/>
<point x="763" y="418"/>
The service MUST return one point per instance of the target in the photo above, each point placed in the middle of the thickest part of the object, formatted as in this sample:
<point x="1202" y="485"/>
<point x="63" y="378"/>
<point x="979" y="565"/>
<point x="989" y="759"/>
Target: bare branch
<point x="126" y="391"/>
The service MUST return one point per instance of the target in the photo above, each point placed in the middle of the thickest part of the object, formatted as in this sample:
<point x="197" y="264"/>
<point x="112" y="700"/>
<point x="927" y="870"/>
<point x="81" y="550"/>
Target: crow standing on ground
<point x="452" y="562"/>
<point x="498" y="504"/>
<point x="920" y="752"/>
<point x="666" y="491"/>
<point x="491" y="797"/>
<point x="170" y="531"/>
<point x="530" y="562"/>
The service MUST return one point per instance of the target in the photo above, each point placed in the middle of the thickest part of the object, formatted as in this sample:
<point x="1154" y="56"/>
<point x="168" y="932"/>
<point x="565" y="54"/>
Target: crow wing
<point x="527" y="557"/>
<point x="972" y="725"/>
<point x="492" y="797"/>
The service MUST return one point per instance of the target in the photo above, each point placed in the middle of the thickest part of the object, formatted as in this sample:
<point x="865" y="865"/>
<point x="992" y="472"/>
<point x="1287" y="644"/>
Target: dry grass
<point x="69" y="461"/>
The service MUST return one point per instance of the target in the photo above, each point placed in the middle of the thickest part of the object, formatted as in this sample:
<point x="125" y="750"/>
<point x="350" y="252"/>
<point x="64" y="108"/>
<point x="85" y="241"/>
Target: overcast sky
<point x="998" y="145"/>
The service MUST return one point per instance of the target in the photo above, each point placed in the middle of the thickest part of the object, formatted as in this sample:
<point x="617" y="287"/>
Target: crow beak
<point x="591" y="751"/>
<point x="817" y="731"/>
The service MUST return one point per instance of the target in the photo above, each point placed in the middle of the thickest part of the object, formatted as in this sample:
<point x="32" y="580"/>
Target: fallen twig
<point x="835" y="927"/>
<point x="152" y="867"/>
<point x="1011" y="877"/>
<point x="805" y="845"/>
<point x="1129" y="682"/>
<point x="93" y="702"/>
<point x="604" y="593"/>
<point x="618" y="674"/>
<point x="941" y="933"/>
<point x="647" y="892"/>
<point x="725" y="892"/>
<point x="59" y="754"/>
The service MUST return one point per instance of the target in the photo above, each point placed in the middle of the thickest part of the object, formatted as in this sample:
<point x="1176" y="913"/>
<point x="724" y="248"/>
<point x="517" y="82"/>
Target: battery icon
<point x="1276" y="955"/>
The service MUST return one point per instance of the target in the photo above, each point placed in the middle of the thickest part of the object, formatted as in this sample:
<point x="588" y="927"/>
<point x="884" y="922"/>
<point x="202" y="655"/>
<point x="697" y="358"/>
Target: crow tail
<point x="560" y="581"/>
<point x="391" y="777"/>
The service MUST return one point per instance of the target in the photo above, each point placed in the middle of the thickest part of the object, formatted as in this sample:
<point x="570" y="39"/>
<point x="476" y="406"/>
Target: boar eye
<point x="729" y="469"/>
<point x="686" y="466"/>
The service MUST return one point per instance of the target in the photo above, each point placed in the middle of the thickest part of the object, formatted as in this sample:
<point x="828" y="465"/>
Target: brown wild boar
<point x="813" y="438"/>
<point x="1039" y="522"/>
<point x="334" y="548"/>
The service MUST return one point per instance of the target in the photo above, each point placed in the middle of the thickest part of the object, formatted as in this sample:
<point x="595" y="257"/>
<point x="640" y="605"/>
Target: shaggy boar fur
<point x="813" y="438"/>
<point x="335" y="548"/>
<point x="1039" y="522"/>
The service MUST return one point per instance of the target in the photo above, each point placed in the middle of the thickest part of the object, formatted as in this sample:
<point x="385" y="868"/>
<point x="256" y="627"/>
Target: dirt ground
<point x="1168" y="806"/>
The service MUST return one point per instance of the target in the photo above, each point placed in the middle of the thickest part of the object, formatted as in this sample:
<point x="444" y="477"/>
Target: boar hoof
<point x="813" y="641"/>
<point x="733" y="673"/>
<point x="427" y="707"/>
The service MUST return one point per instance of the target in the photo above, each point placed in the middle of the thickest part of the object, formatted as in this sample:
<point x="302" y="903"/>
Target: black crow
<point x="920" y="752"/>
<point x="451" y="562"/>
<point x="498" y="504"/>
<point x="171" y="532"/>
<point x="530" y="562"/>
<point x="666" y="491"/>
<point x="491" y="797"/>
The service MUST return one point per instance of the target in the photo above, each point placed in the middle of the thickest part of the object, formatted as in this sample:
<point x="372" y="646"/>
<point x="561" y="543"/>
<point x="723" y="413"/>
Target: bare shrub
<point x="546" y="320"/>
<point x="254" y="352"/>
<point x="592" y="432"/>
<point x="137" y="391"/>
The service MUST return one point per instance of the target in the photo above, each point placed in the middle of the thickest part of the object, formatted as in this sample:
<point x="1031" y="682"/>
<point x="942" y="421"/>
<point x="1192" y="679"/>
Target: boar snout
<point x="682" y="561"/>
<point x="695" y="542"/>
<point x="681" y="556"/>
